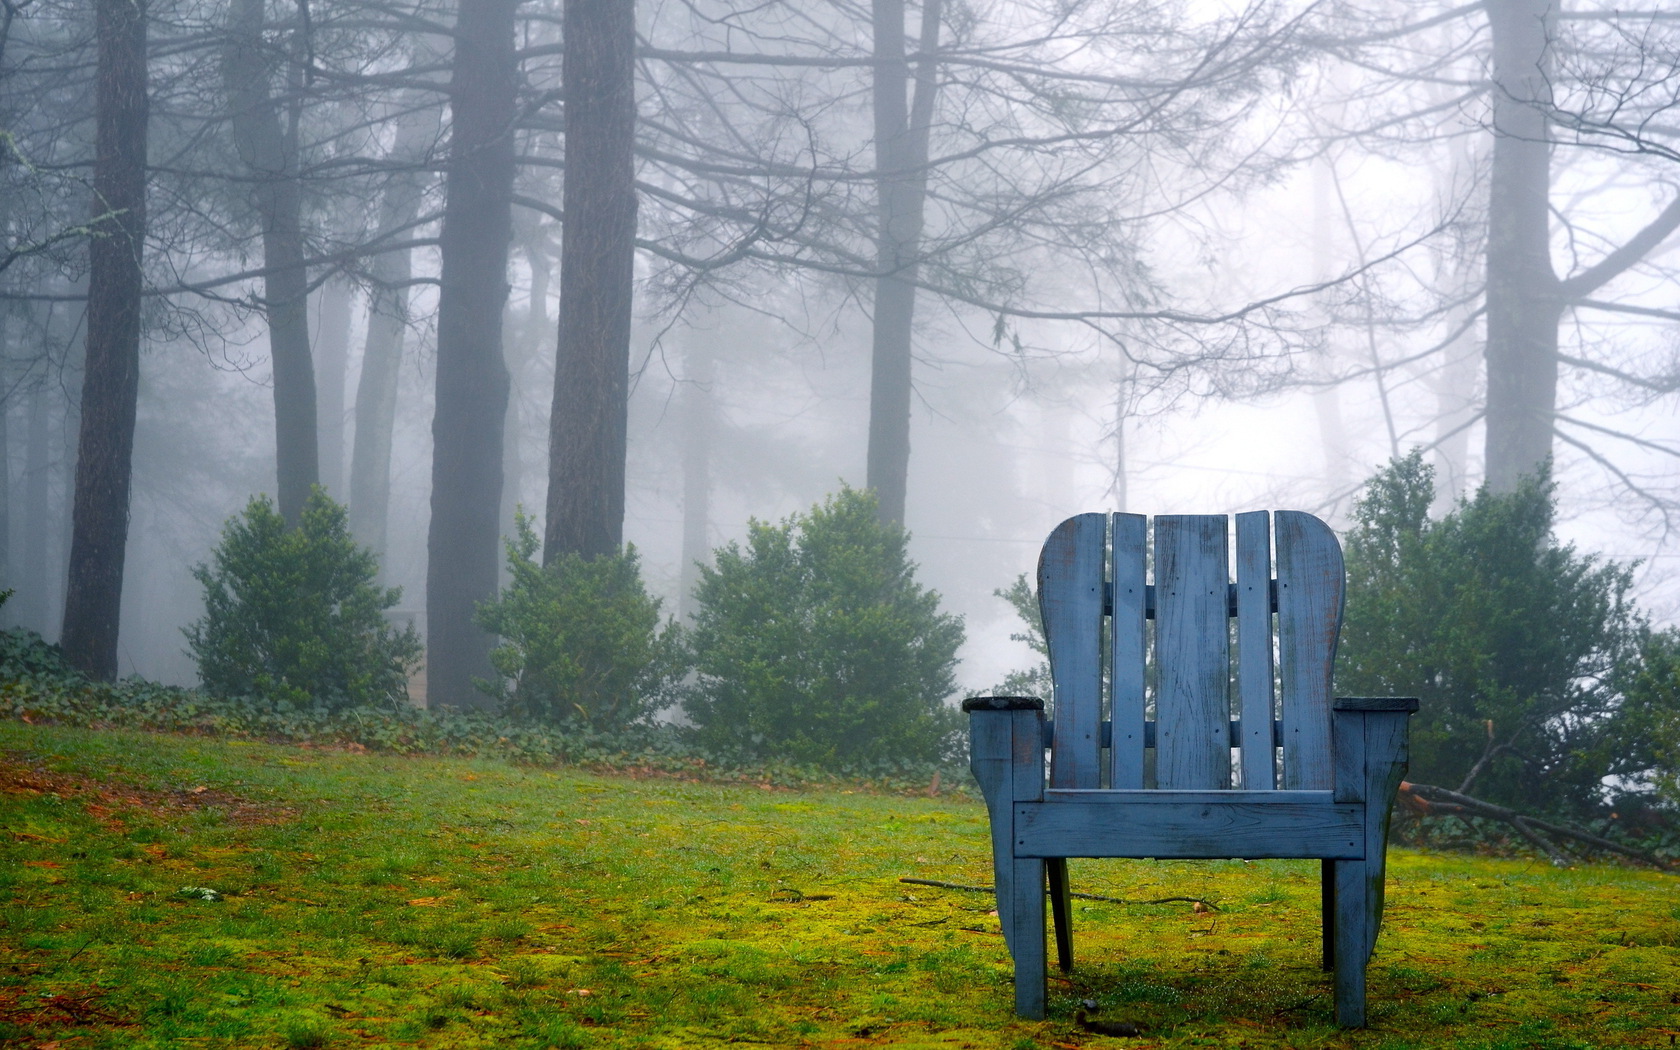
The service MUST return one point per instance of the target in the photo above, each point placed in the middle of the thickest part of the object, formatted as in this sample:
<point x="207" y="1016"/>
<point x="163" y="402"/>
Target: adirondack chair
<point x="1126" y="785"/>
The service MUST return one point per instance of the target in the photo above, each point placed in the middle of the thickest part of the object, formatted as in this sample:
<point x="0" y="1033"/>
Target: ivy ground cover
<point x="173" y="891"/>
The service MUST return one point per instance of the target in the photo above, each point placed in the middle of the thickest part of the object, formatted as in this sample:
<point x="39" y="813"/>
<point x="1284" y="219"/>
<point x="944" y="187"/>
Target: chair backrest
<point x="1095" y="567"/>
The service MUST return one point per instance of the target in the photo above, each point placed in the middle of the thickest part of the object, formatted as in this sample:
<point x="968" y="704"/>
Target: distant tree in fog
<point x="268" y="156"/>
<point x="1514" y="72"/>
<point x="1010" y="165"/>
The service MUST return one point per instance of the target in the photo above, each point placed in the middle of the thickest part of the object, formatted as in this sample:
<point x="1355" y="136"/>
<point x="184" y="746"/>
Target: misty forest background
<point x="650" y="271"/>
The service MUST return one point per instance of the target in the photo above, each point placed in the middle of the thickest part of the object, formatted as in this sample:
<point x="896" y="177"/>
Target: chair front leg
<point x="1006" y="754"/>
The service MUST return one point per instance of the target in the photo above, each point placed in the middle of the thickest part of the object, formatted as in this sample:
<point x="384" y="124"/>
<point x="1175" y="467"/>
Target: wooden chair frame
<point x="1342" y="759"/>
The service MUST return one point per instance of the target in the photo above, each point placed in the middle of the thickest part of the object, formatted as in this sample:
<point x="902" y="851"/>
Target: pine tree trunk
<point x="271" y="161"/>
<point x="1523" y="311"/>
<point x="901" y="150"/>
<point x="111" y="375"/>
<point x="376" y="386"/>
<point x="590" y="414"/>
<point x="7" y="399"/>
<point x="472" y="379"/>
<point x="332" y="350"/>
<point x="35" y="572"/>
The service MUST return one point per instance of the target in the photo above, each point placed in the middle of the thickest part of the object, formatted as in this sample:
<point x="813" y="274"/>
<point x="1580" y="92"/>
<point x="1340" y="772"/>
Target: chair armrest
<point x="1407" y="704"/>
<point x="1002" y="703"/>
<point x="1370" y="746"/>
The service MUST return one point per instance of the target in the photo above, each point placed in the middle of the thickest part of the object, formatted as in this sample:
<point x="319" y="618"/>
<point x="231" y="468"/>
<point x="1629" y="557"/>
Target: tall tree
<point x="111" y="379"/>
<point x="388" y="275"/>
<point x="332" y="352"/>
<point x="1526" y="299"/>
<point x="1009" y="166"/>
<point x="472" y="378"/>
<point x="902" y="124"/>
<point x="588" y="423"/>
<point x="269" y="153"/>
<point x="1517" y="70"/>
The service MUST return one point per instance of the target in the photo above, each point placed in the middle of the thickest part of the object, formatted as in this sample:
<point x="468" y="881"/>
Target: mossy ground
<point x="370" y="901"/>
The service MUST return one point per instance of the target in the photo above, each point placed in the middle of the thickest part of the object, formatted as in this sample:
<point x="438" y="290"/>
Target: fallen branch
<point x="1209" y="905"/>
<point x="1430" y="800"/>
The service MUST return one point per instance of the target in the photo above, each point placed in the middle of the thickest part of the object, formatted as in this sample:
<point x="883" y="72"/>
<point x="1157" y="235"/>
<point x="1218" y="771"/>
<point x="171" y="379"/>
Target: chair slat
<point x="1128" y="564"/>
<point x="1254" y="649"/>
<point x="1192" y="651"/>
<point x="1310" y="580"/>
<point x="1070" y="598"/>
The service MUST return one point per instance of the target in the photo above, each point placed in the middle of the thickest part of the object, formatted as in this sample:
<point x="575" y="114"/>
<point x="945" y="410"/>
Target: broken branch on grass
<point x="1430" y="800"/>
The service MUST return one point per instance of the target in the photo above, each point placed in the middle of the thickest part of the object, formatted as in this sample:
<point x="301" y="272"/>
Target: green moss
<point x="445" y="903"/>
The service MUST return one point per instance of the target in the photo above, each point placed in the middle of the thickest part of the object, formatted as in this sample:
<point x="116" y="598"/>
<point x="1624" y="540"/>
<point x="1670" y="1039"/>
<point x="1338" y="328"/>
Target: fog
<point x="1252" y="297"/>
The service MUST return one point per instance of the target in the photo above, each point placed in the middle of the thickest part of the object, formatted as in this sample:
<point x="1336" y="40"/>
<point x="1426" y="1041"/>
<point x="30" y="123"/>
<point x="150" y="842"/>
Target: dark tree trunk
<point x="587" y="425"/>
<point x="269" y="154"/>
<point x="35" y="573"/>
<point x="332" y="347"/>
<point x="1523" y="307"/>
<point x="376" y="387"/>
<point x="472" y="379"/>
<point x="111" y="377"/>
<point x="8" y="397"/>
<point x="901" y="151"/>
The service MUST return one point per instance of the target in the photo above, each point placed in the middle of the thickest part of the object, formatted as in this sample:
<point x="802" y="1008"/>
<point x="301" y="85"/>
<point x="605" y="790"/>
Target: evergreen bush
<point x="581" y="639"/>
<point x="293" y="616"/>
<point x="1515" y="643"/>
<point x="814" y="644"/>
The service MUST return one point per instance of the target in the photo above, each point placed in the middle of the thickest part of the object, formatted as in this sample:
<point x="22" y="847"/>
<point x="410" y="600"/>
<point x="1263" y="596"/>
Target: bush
<point x="581" y="639"/>
<point x="1647" y="723"/>
<point x="1035" y="680"/>
<point x="293" y="616"/>
<point x="1515" y="643"/>
<point x="815" y="645"/>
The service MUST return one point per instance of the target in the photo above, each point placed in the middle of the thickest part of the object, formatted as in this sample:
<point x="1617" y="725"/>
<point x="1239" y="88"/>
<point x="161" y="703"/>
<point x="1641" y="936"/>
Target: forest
<point x="522" y="309"/>
<point x="501" y="499"/>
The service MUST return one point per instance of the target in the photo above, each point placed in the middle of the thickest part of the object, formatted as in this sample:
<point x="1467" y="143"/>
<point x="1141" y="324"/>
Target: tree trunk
<point x="901" y="153"/>
<point x="697" y="422"/>
<point x="35" y="577"/>
<point x="111" y="375"/>
<point x="525" y="351"/>
<point x="472" y="379"/>
<point x="270" y="157"/>
<point x="587" y="425"/>
<point x="1454" y="385"/>
<point x="1523" y="310"/>
<point x="1327" y="395"/>
<point x="376" y="387"/>
<point x="7" y="399"/>
<point x="332" y="345"/>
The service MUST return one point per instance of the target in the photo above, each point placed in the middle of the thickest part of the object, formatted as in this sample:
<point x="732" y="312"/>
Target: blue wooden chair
<point x="1123" y="784"/>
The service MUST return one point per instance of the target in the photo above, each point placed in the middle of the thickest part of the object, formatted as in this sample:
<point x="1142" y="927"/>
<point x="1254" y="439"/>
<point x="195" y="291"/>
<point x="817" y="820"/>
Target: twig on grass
<point x="1209" y="905"/>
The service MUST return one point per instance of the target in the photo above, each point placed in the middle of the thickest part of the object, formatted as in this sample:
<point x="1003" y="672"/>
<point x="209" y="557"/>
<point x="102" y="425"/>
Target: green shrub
<point x="1035" y="680"/>
<point x="1648" y="721"/>
<point x="815" y="644"/>
<point x="581" y="639"/>
<point x="293" y="616"/>
<point x="1514" y="642"/>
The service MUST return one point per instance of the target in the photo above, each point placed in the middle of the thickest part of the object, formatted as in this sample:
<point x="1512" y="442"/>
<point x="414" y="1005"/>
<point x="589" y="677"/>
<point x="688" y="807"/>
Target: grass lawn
<point x="364" y="900"/>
